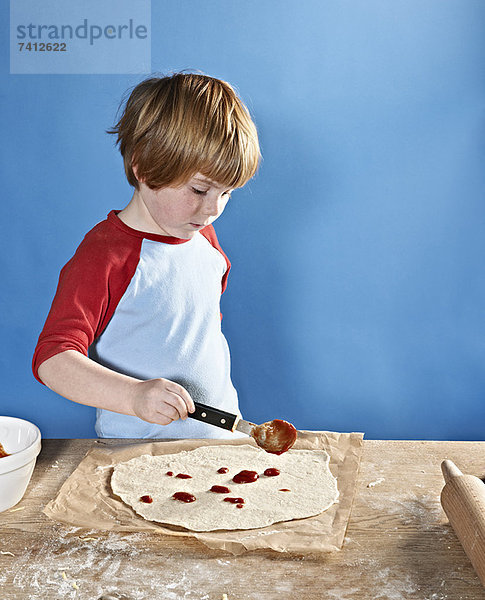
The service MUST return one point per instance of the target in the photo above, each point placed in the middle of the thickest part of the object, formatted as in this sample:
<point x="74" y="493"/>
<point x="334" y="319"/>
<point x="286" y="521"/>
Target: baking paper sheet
<point x="86" y="499"/>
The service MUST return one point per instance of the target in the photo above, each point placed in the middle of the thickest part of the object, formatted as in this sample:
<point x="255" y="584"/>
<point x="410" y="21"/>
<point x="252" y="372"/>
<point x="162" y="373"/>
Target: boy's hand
<point x="161" y="401"/>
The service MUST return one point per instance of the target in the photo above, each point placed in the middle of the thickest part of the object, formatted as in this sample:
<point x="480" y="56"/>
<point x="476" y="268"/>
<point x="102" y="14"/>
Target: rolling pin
<point x="463" y="500"/>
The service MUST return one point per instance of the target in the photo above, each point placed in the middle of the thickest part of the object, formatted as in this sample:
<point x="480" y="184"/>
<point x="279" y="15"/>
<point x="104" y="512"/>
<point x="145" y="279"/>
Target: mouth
<point x="197" y="225"/>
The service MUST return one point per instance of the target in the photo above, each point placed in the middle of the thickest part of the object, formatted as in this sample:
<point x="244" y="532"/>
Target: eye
<point x="199" y="192"/>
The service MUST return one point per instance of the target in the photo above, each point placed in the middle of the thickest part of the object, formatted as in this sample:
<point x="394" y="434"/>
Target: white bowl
<point x="21" y="440"/>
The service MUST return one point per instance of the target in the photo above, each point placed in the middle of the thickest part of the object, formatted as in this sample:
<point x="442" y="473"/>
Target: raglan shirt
<point x="148" y="306"/>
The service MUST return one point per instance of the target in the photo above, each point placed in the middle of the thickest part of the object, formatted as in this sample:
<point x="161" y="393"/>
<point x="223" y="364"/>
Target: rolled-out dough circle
<point x="305" y="473"/>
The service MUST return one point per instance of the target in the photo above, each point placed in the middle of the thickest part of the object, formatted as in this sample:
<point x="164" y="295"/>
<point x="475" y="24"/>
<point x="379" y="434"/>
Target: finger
<point x="158" y="417"/>
<point x="163" y="420"/>
<point x="183" y="394"/>
<point x="178" y="404"/>
<point x="168" y="410"/>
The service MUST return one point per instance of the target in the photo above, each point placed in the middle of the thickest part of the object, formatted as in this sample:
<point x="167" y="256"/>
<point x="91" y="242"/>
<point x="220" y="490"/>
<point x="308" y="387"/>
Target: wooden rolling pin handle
<point x="463" y="500"/>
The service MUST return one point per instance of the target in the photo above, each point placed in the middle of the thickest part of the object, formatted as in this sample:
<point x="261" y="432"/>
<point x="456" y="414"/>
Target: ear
<point x="135" y="172"/>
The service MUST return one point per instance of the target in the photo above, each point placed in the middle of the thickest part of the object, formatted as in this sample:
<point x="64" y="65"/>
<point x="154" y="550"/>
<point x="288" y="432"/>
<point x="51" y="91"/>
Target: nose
<point x="214" y="205"/>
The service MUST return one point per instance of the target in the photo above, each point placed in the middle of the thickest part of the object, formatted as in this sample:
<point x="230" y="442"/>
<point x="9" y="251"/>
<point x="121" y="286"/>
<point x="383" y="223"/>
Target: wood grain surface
<point x="399" y="545"/>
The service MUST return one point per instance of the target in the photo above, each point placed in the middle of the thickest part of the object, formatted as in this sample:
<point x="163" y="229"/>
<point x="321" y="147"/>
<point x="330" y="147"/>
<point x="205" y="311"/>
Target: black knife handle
<point x="213" y="416"/>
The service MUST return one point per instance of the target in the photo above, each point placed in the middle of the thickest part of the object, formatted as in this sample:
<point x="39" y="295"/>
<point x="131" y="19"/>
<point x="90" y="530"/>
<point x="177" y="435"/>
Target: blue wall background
<point x="357" y="295"/>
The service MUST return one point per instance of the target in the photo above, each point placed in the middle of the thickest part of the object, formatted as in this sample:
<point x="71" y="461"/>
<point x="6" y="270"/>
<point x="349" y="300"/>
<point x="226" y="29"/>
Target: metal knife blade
<point x="220" y="418"/>
<point x="244" y="426"/>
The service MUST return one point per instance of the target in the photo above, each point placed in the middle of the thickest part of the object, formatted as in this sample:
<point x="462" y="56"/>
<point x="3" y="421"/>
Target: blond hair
<point x="176" y="126"/>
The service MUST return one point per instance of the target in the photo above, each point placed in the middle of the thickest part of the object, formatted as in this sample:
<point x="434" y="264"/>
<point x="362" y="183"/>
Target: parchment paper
<point x="86" y="499"/>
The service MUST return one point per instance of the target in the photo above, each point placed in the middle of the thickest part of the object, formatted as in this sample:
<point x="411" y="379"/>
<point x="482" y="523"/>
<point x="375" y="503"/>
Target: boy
<point x="134" y="329"/>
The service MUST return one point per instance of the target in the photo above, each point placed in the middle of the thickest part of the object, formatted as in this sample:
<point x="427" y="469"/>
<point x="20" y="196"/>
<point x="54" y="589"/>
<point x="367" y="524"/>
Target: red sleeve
<point x="210" y="234"/>
<point x="90" y="287"/>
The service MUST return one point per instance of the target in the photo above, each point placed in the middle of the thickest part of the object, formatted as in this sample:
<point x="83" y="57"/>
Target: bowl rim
<point x="31" y="451"/>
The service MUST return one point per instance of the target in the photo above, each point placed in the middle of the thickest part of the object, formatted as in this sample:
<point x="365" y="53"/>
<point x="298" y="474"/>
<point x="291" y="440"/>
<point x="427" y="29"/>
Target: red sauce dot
<point x="245" y="477"/>
<point x="146" y="499"/>
<point x="169" y="473"/>
<point x="272" y="472"/>
<point x="183" y="476"/>
<point x="234" y="500"/>
<point x="285" y="490"/>
<point x="184" y="497"/>
<point x="223" y="470"/>
<point x="239" y="505"/>
<point x="220" y="489"/>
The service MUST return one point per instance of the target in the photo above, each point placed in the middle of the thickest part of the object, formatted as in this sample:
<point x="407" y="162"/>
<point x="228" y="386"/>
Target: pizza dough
<point x="305" y="473"/>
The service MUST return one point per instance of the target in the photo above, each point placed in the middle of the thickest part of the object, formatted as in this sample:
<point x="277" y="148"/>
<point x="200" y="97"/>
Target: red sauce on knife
<point x="275" y="436"/>
<point x="183" y="476"/>
<point x="2" y="452"/>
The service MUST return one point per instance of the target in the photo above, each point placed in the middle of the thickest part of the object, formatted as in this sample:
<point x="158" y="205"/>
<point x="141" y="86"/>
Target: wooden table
<point x="399" y="545"/>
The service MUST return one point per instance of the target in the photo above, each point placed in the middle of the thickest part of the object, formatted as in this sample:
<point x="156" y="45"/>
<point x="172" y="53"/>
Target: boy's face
<point x="181" y="211"/>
